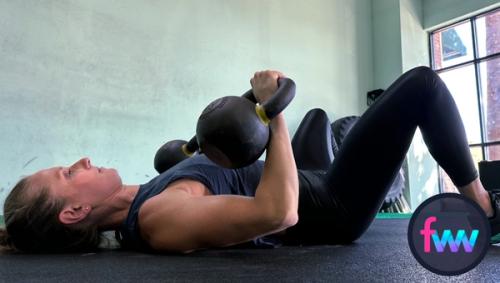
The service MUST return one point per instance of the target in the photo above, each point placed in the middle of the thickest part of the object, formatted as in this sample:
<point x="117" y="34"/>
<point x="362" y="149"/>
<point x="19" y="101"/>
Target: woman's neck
<point x="112" y="215"/>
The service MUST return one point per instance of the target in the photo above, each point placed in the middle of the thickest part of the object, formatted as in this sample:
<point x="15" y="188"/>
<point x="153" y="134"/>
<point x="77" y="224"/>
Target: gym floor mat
<point x="380" y="255"/>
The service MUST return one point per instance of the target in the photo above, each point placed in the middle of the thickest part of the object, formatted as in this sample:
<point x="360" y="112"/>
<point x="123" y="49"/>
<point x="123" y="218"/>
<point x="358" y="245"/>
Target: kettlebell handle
<point x="191" y="146"/>
<point x="279" y="101"/>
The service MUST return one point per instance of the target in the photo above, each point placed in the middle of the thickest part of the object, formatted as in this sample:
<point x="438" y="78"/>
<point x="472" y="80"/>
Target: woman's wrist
<point x="278" y="124"/>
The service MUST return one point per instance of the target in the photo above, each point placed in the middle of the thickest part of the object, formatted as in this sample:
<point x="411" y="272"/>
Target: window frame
<point x="476" y="61"/>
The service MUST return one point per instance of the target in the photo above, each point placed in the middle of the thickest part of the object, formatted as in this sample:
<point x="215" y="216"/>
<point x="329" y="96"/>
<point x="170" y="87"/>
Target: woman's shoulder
<point x="156" y="211"/>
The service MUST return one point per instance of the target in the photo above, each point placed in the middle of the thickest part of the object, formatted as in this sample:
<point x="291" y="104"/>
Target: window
<point x="466" y="55"/>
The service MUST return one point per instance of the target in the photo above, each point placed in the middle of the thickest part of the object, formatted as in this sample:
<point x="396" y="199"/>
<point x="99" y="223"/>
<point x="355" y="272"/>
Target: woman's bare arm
<point x="278" y="191"/>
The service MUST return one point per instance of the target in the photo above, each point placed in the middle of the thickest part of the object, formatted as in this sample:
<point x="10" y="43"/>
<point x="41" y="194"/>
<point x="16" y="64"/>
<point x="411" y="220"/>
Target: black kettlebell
<point x="233" y="131"/>
<point x="173" y="152"/>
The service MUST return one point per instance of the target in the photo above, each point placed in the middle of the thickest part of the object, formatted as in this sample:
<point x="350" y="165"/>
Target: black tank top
<point x="218" y="180"/>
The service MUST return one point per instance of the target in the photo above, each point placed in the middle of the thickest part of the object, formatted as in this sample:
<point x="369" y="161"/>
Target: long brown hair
<point x="32" y="224"/>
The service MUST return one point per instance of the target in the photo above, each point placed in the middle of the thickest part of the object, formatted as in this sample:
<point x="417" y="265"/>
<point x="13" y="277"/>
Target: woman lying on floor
<point x="197" y="205"/>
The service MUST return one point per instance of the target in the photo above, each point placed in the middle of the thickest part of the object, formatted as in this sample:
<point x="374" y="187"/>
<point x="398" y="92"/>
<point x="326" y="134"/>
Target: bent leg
<point x="374" y="150"/>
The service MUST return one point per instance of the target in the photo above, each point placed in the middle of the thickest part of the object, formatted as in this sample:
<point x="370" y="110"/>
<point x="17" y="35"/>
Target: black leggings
<point x="338" y="205"/>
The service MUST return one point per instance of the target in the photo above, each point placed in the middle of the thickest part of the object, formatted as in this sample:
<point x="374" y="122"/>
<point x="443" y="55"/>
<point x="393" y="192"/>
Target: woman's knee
<point x="421" y="83"/>
<point x="422" y="71"/>
<point x="428" y="79"/>
<point x="422" y="76"/>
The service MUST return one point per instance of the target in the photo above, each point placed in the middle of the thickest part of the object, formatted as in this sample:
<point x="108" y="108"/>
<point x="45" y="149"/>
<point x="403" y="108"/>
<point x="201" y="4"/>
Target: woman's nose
<point x="83" y="163"/>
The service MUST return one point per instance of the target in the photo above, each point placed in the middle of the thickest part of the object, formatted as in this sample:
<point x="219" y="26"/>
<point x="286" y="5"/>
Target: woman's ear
<point x="72" y="214"/>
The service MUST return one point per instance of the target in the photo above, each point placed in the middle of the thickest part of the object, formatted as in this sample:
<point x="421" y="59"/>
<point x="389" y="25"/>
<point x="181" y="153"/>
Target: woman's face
<point x="81" y="183"/>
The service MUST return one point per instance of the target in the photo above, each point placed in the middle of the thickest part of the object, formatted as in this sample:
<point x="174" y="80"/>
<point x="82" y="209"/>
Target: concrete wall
<point x="414" y="40"/>
<point x="113" y="80"/>
<point x="386" y="29"/>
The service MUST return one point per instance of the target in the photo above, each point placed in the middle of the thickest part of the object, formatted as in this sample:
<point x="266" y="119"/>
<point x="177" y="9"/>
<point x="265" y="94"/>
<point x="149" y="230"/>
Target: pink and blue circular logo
<point x="449" y="234"/>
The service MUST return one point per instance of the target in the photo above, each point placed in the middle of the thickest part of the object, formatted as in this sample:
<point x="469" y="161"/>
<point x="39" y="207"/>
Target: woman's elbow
<point x="284" y="220"/>
<point x="291" y="219"/>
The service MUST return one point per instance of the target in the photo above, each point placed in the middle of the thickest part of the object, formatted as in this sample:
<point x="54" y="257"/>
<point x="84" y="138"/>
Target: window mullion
<point x="478" y="86"/>
<point x="431" y="50"/>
